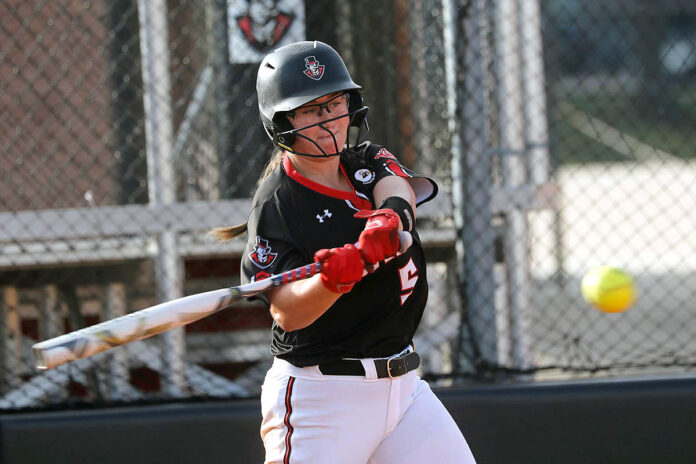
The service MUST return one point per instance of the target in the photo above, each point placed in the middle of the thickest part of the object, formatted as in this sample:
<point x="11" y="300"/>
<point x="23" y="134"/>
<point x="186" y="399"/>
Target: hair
<point x="224" y="234"/>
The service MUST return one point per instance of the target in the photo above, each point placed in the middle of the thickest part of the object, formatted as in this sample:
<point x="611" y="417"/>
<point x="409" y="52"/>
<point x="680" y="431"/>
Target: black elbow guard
<point x="403" y="209"/>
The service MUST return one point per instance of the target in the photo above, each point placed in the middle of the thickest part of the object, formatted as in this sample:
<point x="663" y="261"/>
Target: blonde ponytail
<point x="224" y="234"/>
<point x="273" y="163"/>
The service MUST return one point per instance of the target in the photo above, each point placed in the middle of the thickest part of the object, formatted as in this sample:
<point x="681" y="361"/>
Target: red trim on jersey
<point x="288" y="413"/>
<point x="351" y="196"/>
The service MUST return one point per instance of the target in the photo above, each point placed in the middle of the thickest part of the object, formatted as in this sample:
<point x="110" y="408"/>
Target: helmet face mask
<point x="296" y="74"/>
<point x="285" y="134"/>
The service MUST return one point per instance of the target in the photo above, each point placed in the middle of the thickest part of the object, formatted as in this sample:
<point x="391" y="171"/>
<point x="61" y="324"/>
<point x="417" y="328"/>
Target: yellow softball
<point x="609" y="289"/>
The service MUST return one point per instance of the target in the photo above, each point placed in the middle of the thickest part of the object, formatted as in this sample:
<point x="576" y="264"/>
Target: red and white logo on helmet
<point x="262" y="255"/>
<point x="313" y="69"/>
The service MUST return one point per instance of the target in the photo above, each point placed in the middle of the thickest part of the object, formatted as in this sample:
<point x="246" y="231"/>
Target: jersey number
<point x="409" y="276"/>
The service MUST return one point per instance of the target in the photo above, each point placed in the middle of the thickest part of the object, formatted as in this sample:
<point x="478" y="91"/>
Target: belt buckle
<point x="401" y="367"/>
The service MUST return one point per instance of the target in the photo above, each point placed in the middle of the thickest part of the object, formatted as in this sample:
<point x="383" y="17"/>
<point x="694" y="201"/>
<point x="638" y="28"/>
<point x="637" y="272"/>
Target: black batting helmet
<point x="296" y="74"/>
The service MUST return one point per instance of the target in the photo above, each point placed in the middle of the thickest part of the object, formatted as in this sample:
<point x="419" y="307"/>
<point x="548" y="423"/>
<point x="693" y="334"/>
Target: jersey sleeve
<point x="384" y="164"/>
<point x="269" y="249"/>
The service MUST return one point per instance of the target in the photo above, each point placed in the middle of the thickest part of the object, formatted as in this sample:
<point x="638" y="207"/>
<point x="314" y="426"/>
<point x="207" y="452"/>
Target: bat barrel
<point x="131" y="327"/>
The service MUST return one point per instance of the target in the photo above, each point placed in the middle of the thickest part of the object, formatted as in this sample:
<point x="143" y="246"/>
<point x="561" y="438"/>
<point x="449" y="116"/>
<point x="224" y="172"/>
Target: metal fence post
<point x="471" y="175"/>
<point x="514" y="174"/>
<point x="10" y="340"/>
<point x="118" y="376"/>
<point x="154" y="49"/>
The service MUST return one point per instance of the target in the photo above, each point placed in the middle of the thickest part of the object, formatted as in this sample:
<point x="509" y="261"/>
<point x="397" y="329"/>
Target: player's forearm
<point x="394" y="186"/>
<point x="297" y="305"/>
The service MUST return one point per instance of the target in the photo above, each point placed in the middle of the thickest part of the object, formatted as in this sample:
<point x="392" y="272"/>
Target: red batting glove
<point x="380" y="238"/>
<point x="341" y="267"/>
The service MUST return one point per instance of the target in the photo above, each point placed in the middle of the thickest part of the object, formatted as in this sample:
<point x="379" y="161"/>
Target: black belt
<point x="391" y="367"/>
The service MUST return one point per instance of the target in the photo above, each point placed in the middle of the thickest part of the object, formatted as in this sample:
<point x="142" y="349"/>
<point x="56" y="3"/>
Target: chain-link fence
<point x="578" y="116"/>
<point x="559" y="132"/>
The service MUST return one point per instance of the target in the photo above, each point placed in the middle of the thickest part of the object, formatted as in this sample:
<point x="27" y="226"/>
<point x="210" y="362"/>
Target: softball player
<point x="343" y="386"/>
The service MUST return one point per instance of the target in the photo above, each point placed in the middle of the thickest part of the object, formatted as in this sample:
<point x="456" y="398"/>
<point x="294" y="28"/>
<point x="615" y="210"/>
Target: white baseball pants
<point x="310" y="418"/>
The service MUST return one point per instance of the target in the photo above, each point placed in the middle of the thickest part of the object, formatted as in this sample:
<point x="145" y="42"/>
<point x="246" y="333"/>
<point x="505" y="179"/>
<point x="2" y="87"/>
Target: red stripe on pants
<point x="288" y="413"/>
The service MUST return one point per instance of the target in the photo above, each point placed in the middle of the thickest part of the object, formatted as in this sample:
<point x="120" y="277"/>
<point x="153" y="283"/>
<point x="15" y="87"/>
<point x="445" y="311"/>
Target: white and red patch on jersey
<point x="384" y="153"/>
<point x="262" y="255"/>
<point x="395" y="168"/>
<point x="391" y="163"/>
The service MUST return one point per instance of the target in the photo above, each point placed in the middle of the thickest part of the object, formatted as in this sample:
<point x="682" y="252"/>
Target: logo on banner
<point x="264" y="25"/>
<point x="313" y="68"/>
<point x="262" y="255"/>
<point x="258" y="26"/>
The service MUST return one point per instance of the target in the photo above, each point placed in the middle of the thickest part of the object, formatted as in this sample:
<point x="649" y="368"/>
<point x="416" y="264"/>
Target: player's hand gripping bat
<point x="162" y="317"/>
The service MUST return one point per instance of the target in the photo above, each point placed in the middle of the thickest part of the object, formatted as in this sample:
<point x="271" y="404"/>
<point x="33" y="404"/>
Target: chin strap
<point x="293" y="132"/>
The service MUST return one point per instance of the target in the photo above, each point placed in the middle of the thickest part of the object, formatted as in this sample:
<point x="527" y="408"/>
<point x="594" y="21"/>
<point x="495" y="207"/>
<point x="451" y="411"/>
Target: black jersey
<point x="292" y="217"/>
